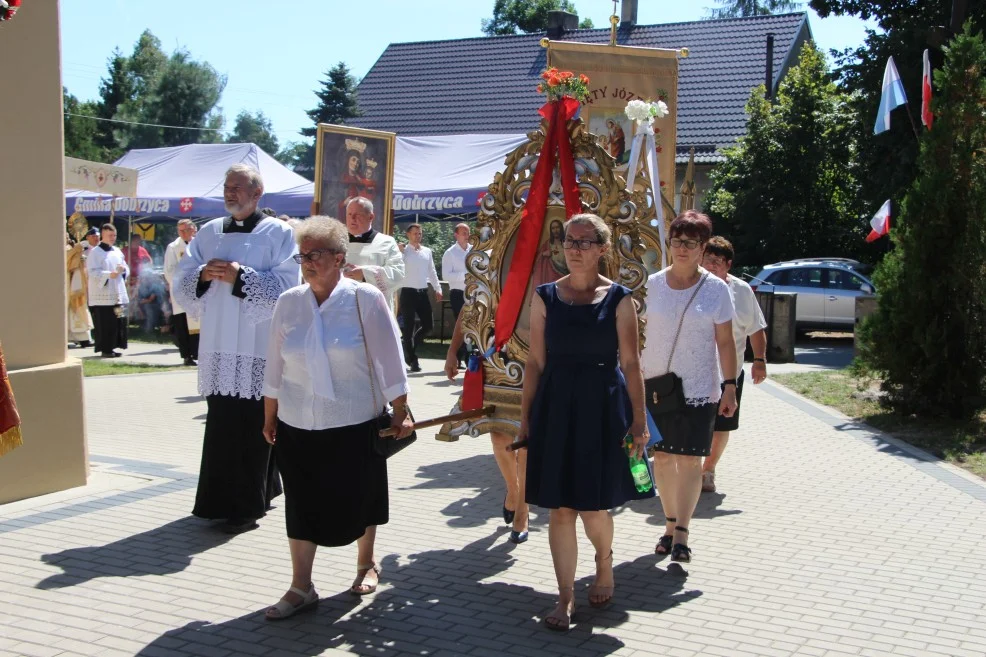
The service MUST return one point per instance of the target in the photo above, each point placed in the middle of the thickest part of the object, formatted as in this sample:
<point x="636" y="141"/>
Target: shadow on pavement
<point x="161" y="551"/>
<point x="437" y="600"/>
<point x="830" y="350"/>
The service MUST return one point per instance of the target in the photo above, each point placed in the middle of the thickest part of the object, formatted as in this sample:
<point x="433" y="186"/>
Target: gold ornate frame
<point x="329" y="136"/>
<point x="603" y="192"/>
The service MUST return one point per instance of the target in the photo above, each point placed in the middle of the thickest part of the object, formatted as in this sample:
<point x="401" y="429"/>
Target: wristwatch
<point x="729" y="382"/>
<point x="760" y="360"/>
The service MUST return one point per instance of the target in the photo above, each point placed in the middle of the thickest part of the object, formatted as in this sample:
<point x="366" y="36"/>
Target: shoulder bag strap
<point x="681" y="321"/>
<point x="366" y="350"/>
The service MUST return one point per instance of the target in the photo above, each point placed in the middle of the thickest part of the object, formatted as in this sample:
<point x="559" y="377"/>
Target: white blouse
<point x="696" y="358"/>
<point x="318" y="371"/>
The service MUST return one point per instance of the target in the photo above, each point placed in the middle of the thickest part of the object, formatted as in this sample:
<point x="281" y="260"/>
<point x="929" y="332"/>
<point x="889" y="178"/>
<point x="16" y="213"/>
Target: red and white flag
<point x="880" y="223"/>
<point x="926" y="116"/>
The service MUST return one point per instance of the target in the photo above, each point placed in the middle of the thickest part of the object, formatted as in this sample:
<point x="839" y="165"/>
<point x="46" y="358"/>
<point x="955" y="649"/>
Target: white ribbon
<point x="317" y="356"/>
<point x="644" y="140"/>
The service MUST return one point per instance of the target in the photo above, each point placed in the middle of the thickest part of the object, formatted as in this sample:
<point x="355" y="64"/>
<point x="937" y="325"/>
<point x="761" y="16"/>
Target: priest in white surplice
<point x="372" y="257"/>
<point x="234" y="271"/>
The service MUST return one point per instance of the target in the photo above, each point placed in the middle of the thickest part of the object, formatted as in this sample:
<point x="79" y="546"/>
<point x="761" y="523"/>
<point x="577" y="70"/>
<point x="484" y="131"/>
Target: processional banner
<point x="619" y="74"/>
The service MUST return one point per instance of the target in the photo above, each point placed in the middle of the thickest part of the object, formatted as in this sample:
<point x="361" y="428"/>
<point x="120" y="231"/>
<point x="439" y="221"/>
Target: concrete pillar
<point x="47" y="385"/>
<point x="780" y="311"/>
<point x="865" y="306"/>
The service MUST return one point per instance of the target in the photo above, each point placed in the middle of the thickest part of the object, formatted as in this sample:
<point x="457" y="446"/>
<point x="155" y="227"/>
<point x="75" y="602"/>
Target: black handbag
<point x="664" y="394"/>
<point x="385" y="447"/>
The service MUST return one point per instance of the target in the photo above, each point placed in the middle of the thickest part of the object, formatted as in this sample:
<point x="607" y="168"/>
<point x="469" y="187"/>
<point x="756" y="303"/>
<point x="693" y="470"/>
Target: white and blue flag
<point x="892" y="96"/>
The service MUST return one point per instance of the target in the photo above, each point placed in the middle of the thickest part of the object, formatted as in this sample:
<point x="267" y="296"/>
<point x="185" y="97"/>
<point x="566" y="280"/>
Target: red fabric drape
<point x="557" y="113"/>
<point x="10" y="421"/>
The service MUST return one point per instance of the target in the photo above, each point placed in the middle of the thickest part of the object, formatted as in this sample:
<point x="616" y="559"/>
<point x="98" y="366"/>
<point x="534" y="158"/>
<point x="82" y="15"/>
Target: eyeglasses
<point x="714" y="261"/>
<point x="579" y="245"/>
<point x="676" y="243"/>
<point x="311" y="256"/>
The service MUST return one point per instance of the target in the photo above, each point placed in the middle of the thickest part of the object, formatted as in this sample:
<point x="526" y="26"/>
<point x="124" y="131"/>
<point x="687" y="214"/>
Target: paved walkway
<point x="826" y="539"/>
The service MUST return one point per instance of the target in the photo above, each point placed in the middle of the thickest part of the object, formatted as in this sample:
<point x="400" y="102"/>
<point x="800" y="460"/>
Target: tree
<point x="743" y="8"/>
<point x="254" y="129"/>
<point x="888" y="161"/>
<point x="81" y="133"/>
<point x="528" y="16"/>
<point x="928" y="336"/>
<point x="292" y="154"/>
<point x="789" y="189"/>
<point x="336" y="103"/>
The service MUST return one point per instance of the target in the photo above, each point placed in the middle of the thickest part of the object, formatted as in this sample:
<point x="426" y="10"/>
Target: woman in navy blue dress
<point x="583" y="394"/>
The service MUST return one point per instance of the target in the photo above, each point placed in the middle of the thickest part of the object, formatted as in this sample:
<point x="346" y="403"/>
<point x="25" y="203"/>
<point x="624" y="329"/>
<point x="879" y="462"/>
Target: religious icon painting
<point x="350" y="163"/>
<point x="614" y="132"/>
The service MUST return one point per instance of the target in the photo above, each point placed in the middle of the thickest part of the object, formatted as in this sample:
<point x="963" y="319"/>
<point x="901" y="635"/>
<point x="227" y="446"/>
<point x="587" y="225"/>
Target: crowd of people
<point x="299" y="379"/>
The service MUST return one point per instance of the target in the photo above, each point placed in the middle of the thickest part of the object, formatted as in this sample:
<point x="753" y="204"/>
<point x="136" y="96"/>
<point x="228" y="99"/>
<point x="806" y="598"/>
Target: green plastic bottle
<point x="638" y="468"/>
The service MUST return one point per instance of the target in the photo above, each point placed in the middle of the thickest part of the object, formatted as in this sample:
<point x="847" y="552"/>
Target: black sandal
<point x="680" y="551"/>
<point x="664" y="545"/>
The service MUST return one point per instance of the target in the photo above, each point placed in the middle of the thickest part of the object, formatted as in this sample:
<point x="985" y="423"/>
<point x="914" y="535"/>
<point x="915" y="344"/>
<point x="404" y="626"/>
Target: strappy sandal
<point x="560" y="623"/>
<point x="362" y="570"/>
<point x="664" y="545"/>
<point x="284" y="609"/>
<point x="605" y="592"/>
<point x="680" y="551"/>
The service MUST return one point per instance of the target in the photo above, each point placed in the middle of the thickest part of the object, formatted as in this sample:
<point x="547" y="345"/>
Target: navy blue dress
<point x="582" y="410"/>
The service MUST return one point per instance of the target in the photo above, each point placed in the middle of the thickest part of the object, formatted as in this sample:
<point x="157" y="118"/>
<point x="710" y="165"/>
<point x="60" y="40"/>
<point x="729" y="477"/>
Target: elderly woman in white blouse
<point x="320" y="412"/>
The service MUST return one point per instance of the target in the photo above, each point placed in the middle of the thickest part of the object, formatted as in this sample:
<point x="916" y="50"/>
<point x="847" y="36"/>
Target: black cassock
<point x="238" y="477"/>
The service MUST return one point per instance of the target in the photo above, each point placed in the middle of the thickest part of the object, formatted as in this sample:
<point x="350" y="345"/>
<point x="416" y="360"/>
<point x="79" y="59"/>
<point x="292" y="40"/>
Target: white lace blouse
<point x="316" y="364"/>
<point x="696" y="358"/>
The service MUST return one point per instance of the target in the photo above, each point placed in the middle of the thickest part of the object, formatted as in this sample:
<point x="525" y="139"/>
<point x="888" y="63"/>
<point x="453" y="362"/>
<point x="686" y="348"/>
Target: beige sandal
<point x="284" y="609"/>
<point x="604" y="592"/>
<point x="362" y="570"/>
<point x="560" y="622"/>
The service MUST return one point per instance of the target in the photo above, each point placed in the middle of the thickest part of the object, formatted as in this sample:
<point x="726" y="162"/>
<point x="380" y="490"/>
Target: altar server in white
<point x="186" y="329"/>
<point x="372" y="257"/>
<point x="233" y="273"/>
<point x="108" y="298"/>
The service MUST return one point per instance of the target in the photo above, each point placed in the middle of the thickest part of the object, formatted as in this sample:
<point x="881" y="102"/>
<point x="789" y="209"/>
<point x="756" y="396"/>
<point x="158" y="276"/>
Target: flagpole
<point x="914" y="126"/>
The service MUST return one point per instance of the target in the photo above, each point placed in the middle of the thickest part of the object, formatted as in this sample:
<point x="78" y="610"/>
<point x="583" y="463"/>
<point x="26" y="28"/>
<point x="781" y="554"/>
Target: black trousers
<point x="457" y="299"/>
<point x="188" y="344"/>
<point x="238" y="476"/>
<point x="414" y="304"/>
<point x="109" y="330"/>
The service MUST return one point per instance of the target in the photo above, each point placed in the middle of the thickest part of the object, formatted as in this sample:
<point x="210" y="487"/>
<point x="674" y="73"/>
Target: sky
<point x="274" y="54"/>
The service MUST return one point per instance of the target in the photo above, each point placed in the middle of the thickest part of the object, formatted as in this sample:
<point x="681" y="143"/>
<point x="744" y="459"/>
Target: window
<point x="777" y="278"/>
<point x="844" y="280"/>
<point x="805" y="277"/>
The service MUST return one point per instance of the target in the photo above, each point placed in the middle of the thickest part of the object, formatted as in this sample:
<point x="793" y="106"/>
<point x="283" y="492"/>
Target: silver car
<point x="826" y="287"/>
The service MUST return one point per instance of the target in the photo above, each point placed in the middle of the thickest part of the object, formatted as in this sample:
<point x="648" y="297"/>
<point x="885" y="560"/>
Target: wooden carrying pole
<point x="454" y="417"/>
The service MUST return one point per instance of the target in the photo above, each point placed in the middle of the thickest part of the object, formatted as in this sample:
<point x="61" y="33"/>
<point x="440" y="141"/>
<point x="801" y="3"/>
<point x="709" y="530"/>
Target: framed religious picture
<point x="351" y="162"/>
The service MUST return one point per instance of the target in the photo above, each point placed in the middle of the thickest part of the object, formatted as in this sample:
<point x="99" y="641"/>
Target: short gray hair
<point x="603" y="232"/>
<point x="186" y="222"/>
<point x="246" y="170"/>
<point x="327" y="232"/>
<point x="365" y="203"/>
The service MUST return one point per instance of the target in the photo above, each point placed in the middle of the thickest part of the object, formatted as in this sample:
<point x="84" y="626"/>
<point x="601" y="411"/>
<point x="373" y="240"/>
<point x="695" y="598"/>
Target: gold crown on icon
<point x="355" y="145"/>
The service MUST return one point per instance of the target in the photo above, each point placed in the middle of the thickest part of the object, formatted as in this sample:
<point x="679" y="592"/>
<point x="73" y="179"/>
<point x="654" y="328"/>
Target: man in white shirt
<point x="371" y="257"/>
<point x="186" y="330"/>
<point x="748" y="321"/>
<point x="454" y="271"/>
<point x="233" y="272"/>
<point x="108" y="298"/>
<point x="419" y="273"/>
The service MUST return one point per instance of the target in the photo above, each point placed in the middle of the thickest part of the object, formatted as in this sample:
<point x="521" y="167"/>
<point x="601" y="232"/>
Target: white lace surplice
<point x="292" y="365"/>
<point x="696" y="358"/>
<point x="234" y="331"/>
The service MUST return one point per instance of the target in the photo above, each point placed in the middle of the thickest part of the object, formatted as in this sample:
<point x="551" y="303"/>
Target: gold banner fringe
<point x="10" y="440"/>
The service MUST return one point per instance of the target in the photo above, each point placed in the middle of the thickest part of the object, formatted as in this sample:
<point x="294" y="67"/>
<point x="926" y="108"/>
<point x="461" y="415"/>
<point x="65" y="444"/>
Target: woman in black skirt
<point x="689" y="332"/>
<point x="323" y="390"/>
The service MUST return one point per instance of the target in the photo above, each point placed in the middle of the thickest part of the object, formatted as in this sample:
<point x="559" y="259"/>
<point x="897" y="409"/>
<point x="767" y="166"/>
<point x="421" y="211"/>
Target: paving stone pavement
<point x="826" y="539"/>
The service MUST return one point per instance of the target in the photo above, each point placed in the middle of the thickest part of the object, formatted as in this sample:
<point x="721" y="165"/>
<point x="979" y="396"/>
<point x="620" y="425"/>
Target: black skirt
<point x="335" y="485"/>
<point x="687" y="432"/>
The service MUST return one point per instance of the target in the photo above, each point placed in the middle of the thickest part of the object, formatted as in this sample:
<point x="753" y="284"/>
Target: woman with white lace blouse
<point x="320" y="409"/>
<point x="688" y="333"/>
